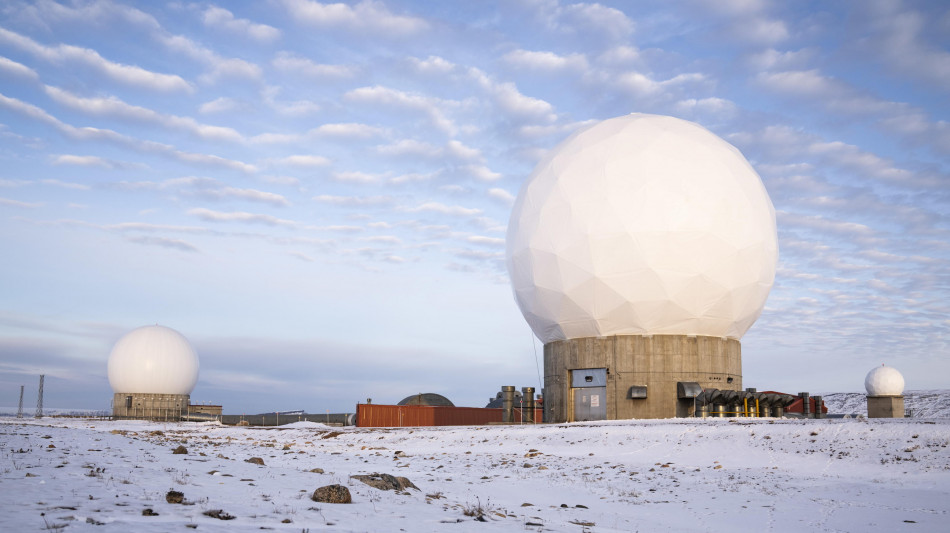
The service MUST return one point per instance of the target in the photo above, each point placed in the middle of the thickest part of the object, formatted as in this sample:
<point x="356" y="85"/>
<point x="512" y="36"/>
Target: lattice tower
<point x="19" y="409"/>
<point x="39" y="400"/>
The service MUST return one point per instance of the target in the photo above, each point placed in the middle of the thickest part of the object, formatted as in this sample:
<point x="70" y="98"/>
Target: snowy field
<point x="665" y="475"/>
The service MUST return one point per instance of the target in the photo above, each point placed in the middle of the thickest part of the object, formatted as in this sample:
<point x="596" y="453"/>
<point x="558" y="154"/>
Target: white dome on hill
<point x="642" y="225"/>
<point x="884" y="381"/>
<point x="153" y="360"/>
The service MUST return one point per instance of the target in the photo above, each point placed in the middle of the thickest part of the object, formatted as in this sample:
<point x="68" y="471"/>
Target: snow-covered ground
<point x="665" y="475"/>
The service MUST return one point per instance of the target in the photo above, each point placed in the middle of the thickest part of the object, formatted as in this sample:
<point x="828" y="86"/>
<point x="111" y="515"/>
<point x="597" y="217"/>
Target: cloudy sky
<point x="316" y="194"/>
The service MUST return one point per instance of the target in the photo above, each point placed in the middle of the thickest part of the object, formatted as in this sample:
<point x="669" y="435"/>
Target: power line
<point x="537" y="365"/>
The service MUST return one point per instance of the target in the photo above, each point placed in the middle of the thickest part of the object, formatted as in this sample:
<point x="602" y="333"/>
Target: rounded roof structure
<point x="499" y="401"/>
<point x="427" y="398"/>
<point x="884" y="381"/>
<point x="153" y="360"/>
<point x="641" y="225"/>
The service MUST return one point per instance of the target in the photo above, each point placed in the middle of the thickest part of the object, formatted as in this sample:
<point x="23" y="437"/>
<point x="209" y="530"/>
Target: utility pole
<point x="19" y="409"/>
<point x="39" y="400"/>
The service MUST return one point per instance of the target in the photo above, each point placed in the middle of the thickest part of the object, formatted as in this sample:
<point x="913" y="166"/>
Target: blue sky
<point x="316" y="194"/>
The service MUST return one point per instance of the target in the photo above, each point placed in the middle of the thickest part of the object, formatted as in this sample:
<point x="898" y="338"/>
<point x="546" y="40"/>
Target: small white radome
<point x="884" y="381"/>
<point x="153" y="360"/>
<point x="642" y="225"/>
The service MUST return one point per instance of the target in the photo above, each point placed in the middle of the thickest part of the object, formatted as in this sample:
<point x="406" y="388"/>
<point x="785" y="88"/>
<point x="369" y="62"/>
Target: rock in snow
<point x="386" y="482"/>
<point x="332" y="494"/>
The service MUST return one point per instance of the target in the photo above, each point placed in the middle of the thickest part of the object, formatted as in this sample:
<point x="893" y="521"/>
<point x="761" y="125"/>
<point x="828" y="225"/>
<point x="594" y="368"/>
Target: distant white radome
<point x="642" y="225"/>
<point x="884" y="381"/>
<point x="153" y="360"/>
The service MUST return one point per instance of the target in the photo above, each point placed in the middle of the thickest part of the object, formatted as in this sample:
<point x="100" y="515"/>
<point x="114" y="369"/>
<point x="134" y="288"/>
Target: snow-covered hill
<point x="917" y="403"/>
<point x="843" y="475"/>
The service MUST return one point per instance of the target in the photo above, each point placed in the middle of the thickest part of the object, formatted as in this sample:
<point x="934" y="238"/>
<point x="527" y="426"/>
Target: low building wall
<point x="138" y="406"/>
<point x="277" y="419"/>
<point x="214" y="410"/>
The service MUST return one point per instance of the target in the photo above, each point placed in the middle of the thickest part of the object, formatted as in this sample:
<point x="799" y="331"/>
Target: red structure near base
<point x="798" y="406"/>
<point x="380" y="416"/>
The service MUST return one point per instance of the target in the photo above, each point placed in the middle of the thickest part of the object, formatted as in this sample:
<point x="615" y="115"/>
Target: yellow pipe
<point x="745" y="407"/>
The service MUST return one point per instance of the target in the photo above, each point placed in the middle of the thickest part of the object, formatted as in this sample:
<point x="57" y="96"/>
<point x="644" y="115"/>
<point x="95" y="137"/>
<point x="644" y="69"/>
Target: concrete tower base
<point x="169" y="407"/>
<point x="635" y="376"/>
<point x="885" y="407"/>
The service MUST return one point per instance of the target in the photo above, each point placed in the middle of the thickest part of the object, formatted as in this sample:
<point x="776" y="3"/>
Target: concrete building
<point x="640" y="251"/>
<point x="635" y="376"/>
<point x="152" y="371"/>
<point x="885" y="388"/>
<point x="205" y="409"/>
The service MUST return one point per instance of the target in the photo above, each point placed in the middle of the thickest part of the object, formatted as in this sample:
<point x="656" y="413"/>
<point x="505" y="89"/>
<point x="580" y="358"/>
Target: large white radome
<point x="884" y="381"/>
<point x="153" y="360"/>
<point x="639" y="225"/>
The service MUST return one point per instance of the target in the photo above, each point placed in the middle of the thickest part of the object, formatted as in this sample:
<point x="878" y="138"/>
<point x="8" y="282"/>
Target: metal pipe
<point x="527" y="414"/>
<point x="806" y="404"/>
<point x="818" y="403"/>
<point x="701" y="403"/>
<point x="750" y="394"/>
<point x="508" y="404"/>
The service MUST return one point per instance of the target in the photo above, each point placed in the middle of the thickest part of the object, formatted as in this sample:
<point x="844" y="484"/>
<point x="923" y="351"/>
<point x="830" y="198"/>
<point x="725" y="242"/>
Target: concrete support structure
<point x="885" y="407"/>
<point x="642" y="373"/>
<point x="170" y="407"/>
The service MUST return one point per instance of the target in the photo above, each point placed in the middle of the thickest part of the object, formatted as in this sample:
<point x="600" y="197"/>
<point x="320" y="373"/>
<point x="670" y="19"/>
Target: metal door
<point x="589" y="390"/>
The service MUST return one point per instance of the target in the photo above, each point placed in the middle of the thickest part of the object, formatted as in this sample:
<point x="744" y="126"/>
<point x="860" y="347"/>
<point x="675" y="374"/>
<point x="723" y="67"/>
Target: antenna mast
<point x="39" y="401"/>
<point x="19" y="409"/>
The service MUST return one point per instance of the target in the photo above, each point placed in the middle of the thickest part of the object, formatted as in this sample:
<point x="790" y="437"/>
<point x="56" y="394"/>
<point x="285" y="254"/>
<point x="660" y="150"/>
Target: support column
<point x="508" y="404"/>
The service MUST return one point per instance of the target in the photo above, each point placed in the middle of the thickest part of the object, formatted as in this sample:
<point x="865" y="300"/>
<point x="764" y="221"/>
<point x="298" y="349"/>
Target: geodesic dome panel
<point x="639" y="225"/>
<point x="153" y="360"/>
<point x="884" y="381"/>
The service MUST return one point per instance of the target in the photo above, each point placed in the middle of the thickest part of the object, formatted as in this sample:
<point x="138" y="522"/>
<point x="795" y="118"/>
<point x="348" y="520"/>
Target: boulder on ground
<point x="386" y="482"/>
<point x="180" y="450"/>
<point x="255" y="460"/>
<point x="332" y="494"/>
<point x="219" y="514"/>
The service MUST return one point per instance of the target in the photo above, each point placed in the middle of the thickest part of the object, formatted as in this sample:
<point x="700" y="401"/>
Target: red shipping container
<point x="377" y="416"/>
